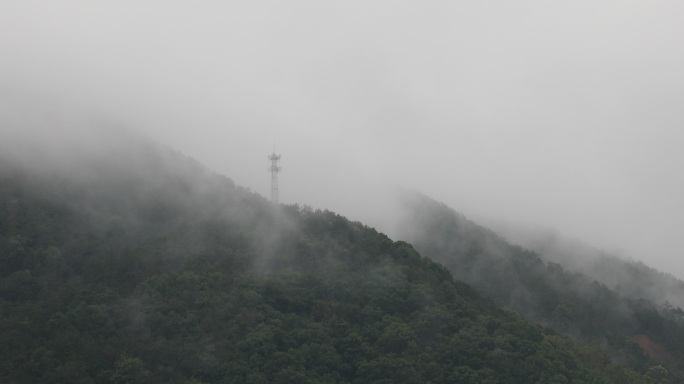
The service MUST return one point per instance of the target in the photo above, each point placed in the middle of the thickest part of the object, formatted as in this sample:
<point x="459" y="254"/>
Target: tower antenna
<point x="274" y="169"/>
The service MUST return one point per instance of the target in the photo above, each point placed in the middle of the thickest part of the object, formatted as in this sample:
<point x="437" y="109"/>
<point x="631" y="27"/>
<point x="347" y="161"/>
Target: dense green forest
<point x="140" y="266"/>
<point x="545" y="293"/>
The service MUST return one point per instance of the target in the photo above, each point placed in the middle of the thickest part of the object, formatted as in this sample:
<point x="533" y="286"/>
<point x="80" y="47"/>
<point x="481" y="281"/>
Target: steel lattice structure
<point x="274" y="169"/>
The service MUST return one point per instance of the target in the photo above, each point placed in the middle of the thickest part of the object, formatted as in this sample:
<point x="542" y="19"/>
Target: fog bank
<point x="559" y="114"/>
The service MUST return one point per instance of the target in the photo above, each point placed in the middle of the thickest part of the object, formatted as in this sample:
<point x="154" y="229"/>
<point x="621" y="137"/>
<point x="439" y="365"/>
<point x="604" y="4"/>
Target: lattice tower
<point x="274" y="169"/>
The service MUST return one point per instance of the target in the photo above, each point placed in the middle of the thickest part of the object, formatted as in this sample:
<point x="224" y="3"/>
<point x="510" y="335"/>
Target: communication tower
<point x="274" y="169"/>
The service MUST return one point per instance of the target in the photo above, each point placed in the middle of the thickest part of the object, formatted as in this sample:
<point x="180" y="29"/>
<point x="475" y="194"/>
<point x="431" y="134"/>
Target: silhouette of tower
<point x="274" y="169"/>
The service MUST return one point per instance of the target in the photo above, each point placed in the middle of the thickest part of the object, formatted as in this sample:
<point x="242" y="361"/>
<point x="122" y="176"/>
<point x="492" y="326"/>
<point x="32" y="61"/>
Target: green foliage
<point x="545" y="293"/>
<point x="154" y="276"/>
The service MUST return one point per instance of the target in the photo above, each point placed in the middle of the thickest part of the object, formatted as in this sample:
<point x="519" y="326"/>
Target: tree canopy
<point x="164" y="272"/>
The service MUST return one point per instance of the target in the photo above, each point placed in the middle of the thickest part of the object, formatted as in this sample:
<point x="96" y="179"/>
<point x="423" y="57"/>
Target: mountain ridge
<point x="541" y="290"/>
<point x="643" y="281"/>
<point x="157" y="270"/>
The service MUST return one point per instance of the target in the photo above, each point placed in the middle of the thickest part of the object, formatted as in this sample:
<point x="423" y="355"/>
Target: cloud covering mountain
<point x="560" y="114"/>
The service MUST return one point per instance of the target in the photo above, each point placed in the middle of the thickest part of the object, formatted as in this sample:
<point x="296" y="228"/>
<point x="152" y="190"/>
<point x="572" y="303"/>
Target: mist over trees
<point x="560" y="114"/>
<point x="123" y="260"/>
<point x="544" y="292"/>
<point x="630" y="278"/>
<point x="143" y="266"/>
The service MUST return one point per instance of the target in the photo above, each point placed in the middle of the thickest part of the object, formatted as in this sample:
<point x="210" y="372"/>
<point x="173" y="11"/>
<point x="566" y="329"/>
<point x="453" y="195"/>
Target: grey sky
<point x="566" y="114"/>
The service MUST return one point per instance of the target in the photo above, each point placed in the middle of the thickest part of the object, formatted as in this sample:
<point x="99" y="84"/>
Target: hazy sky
<point x="560" y="113"/>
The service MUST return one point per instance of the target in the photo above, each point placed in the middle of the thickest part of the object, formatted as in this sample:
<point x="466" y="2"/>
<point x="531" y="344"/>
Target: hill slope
<point x="543" y="291"/>
<point x="142" y="266"/>
<point x="627" y="277"/>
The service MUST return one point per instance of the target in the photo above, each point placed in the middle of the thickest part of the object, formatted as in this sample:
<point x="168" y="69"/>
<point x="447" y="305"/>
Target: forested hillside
<point x="628" y="277"/>
<point x="632" y="329"/>
<point x="137" y="265"/>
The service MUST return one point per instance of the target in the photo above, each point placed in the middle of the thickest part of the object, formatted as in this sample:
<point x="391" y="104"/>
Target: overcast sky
<point x="566" y="114"/>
